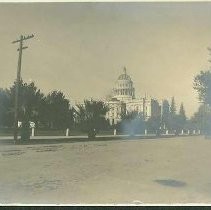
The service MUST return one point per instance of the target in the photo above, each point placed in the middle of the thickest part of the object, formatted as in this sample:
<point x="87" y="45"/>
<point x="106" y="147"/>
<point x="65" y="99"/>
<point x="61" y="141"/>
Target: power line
<point x="17" y="84"/>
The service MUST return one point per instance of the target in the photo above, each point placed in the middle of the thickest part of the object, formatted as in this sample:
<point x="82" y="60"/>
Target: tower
<point x="124" y="89"/>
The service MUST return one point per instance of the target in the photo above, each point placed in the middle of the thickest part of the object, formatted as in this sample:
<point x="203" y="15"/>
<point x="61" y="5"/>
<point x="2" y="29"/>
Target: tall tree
<point x="154" y="124"/>
<point x="6" y="111"/>
<point x="58" y="111"/>
<point x="181" y="118"/>
<point x="172" y="116"/>
<point x="172" y="107"/>
<point x="201" y="119"/>
<point x="182" y="112"/>
<point x="91" y="116"/>
<point x="30" y="100"/>
<point x="165" y="114"/>
<point x="176" y="121"/>
<point x="202" y="84"/>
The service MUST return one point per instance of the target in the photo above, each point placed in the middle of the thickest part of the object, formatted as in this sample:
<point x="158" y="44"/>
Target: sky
<point x="81" y="48"/>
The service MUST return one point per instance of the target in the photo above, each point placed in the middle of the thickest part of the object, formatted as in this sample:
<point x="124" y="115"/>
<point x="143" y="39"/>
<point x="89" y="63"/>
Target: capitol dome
<point x="124" y="76"/>
<point x="124" y="89"/>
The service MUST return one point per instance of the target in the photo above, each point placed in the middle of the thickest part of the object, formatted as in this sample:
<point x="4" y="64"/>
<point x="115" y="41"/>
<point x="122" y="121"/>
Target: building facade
<point x="123" y="101"/>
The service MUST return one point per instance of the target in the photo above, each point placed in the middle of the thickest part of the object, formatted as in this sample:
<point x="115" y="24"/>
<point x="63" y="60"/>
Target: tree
<point x="91" y="116"/>
<point x="52" y="111"/>
<point x="58" y="113"/>
<point x="202" y="84"/>
<point x="165" y="114"/>
<point x="201" y="119"/>
<point x="173" y="117"/>
<point x="176" y="122"/>
<point x="173" y="107"/>
<point x="182" y="116"/>
<point x="132" y="123"/>
<point x="6" y="116"/>
<point x="30" y="100"/>
<point x="182" y="112"/>
<point x="154" y="124"/>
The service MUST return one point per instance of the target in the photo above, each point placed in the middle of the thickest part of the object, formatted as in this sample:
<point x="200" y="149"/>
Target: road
<point x="173" y="170"/>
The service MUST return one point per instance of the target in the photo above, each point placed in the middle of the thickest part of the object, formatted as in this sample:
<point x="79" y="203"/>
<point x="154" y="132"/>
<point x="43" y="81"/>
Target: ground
<point x="175" y="170"/>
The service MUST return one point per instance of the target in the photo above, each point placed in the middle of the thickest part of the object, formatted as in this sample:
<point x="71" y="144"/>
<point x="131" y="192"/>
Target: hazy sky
<point x="80" y="48"/>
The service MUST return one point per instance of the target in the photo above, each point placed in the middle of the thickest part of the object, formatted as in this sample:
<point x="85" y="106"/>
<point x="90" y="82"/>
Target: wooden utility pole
<point x="17" y="84"/>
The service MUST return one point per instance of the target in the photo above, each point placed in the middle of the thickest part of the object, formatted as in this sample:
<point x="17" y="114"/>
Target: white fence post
<point x="32" y="131"/>
<point x="32" y="126"/>
<point x="145" y="131"/>
<point x="167" y="132"/>
<point x="182" y="132"/>
<point x="67" y="132"/>
<point x="114" y="132"/>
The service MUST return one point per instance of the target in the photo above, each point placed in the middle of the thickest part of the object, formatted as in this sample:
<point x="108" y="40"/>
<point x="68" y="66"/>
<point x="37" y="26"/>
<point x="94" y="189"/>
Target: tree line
<point x="51" y="111"/>
<point x="54" y="111"/>
<point x="202" y="118"/>
<point x="172" y="121"/>
<point x="48" y="111"/>
<point x="169" y="120"/>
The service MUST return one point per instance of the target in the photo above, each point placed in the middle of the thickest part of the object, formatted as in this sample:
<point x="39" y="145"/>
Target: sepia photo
<point x="105" y="103"/>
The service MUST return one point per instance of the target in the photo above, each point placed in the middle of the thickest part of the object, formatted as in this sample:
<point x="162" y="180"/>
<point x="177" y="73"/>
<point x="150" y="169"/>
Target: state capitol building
<point x="123" y="101"/>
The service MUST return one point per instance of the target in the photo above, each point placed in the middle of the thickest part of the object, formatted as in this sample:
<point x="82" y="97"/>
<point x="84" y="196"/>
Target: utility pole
<point x="17" y="84"/>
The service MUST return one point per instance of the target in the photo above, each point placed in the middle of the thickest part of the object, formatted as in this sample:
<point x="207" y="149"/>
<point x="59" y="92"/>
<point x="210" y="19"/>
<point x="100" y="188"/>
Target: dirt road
<point x="175" y="170"/>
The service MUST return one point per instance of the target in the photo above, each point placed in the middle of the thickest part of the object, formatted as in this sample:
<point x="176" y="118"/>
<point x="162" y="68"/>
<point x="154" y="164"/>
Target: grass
<point x="58" y="132"/>
<point x="53" y="132"/>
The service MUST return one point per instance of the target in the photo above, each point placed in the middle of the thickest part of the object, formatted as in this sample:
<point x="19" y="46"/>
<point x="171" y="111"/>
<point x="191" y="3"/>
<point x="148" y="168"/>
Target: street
<point x="175" y="170"/>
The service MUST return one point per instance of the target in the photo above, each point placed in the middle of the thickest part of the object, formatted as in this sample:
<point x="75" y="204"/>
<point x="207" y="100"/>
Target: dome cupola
<point x="124" y="89"/>
<point x="124" y="76"/>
